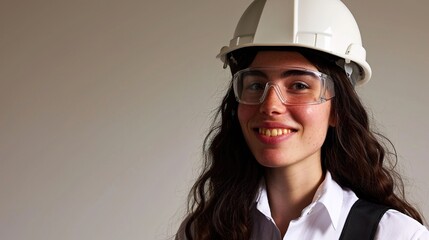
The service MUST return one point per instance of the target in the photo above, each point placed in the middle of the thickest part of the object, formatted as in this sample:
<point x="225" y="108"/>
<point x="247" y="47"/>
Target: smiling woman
<point x="292" y="152"/>
<point x="305" y="124"/>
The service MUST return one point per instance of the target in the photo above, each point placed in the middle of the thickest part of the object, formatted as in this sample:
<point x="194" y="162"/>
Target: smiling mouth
<point x="274" y="132"/>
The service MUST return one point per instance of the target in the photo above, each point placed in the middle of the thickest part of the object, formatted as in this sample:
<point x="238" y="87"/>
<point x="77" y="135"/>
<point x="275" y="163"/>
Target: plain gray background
<point x="104" y="106"/>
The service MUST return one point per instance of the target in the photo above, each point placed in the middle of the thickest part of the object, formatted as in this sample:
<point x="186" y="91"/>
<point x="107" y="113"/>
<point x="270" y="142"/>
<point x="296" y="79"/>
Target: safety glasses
<point x="293" y="86"/>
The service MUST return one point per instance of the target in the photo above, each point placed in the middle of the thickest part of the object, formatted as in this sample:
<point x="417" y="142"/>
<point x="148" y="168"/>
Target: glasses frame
<point x="328" y="86"/>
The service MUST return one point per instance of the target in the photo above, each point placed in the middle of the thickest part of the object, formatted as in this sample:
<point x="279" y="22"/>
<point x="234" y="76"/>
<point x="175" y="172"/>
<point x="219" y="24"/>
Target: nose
<point x="272" y="103"/>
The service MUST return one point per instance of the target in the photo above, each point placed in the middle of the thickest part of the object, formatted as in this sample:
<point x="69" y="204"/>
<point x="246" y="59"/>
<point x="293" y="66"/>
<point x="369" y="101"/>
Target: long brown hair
<point x="222" y="198"/>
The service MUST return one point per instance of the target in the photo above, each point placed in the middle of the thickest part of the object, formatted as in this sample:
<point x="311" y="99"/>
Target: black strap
<point x="362" y="221"/>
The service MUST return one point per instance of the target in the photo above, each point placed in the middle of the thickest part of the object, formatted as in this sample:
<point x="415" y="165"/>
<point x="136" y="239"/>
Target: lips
<point x="274" y="132"/>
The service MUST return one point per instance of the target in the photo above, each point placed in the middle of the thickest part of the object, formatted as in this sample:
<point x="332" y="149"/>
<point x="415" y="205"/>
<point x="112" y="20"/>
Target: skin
<point x="292" y="160"/>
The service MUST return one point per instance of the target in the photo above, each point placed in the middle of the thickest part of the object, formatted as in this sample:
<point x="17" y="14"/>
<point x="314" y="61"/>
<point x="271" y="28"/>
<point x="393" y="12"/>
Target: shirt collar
<point x="262" y="203"/>
<point x="329" y="194"/>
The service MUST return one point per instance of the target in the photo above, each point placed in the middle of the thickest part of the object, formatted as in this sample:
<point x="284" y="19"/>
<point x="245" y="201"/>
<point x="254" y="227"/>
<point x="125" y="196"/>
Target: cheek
<point x="315" y="121"/>
<point x="245" y="113"/>
<point x="317" y="115"/>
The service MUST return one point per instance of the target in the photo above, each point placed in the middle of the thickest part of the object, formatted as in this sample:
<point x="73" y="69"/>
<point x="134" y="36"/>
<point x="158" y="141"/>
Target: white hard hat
<point x="323" y="25"/>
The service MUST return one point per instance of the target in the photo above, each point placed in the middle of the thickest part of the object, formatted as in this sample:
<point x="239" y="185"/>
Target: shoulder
<point x="396" y="225"/>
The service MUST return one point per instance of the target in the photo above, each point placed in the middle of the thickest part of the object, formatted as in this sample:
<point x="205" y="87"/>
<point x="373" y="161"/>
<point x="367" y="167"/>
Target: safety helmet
<point x="323" y="25"/>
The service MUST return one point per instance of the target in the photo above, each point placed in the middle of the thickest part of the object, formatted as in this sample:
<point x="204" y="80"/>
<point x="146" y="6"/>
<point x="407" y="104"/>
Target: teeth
<point x="274" y="132"/>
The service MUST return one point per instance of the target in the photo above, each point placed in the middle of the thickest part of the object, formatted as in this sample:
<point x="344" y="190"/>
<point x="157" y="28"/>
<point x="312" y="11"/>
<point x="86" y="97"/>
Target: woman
<point x="293" y="150"/>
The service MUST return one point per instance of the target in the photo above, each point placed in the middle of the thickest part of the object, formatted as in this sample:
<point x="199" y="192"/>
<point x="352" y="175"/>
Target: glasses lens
<point x="296" y="86"/>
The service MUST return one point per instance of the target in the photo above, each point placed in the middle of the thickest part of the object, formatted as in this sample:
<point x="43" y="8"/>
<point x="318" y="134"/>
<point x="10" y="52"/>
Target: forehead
<point x="281" y="59"/>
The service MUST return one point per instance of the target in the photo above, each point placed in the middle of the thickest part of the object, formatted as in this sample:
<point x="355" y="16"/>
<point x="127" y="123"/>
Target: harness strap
<point x="362" y="220"/>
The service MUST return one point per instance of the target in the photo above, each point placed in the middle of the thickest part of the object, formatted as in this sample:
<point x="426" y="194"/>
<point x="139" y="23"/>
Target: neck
<point x="290" y="191"/>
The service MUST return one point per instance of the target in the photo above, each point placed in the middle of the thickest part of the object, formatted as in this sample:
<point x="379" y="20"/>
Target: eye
<point x="299" y="86"/>
<point x="255" y="86"/>
<point x="253" y="83"/>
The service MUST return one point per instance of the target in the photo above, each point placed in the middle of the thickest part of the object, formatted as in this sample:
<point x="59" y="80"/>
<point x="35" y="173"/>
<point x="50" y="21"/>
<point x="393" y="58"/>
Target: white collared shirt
<point x="324" y="218"/>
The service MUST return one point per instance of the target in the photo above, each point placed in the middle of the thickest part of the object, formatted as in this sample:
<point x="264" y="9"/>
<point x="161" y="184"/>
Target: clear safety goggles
<point x="293" y="86"/>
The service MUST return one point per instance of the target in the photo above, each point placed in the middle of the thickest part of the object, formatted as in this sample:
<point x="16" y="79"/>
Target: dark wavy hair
<point x="222" y="198"/>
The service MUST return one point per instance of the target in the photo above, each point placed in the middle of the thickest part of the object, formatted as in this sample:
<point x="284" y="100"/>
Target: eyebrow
<point x="284" y="74"/>
<point x="296" y="72"/>
<point x="256" y="72"/>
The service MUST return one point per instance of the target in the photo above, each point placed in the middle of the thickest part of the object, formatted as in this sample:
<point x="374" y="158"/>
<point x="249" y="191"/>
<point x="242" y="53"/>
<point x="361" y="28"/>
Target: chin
<point x="274" y="162"/>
